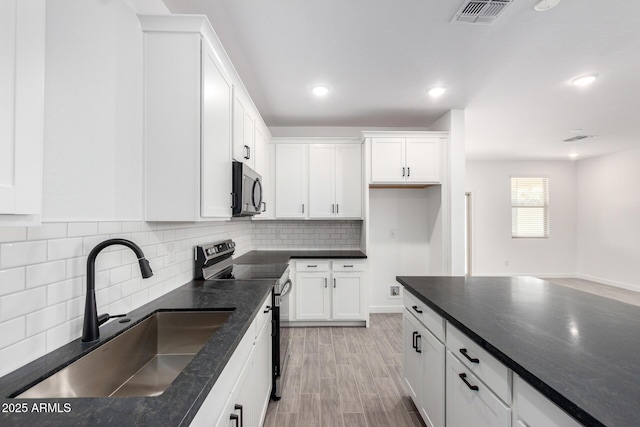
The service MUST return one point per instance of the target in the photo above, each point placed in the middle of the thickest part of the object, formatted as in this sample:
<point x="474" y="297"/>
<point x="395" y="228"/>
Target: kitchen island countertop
<point x="580" y="350"/>
<point x="181" y="400"/>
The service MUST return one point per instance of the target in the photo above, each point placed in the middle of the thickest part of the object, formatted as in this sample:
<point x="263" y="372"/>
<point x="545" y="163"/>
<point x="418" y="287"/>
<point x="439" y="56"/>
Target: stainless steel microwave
<point x="247" y="191"/>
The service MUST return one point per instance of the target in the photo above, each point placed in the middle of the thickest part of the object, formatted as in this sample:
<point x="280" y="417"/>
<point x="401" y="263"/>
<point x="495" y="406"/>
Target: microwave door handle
<point x="286" y="288"/>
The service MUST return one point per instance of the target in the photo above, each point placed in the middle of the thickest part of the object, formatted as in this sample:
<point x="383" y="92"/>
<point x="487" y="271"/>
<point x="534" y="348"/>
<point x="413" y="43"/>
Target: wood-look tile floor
<point x="613" y="292"/>
<point x="345" y="377"/>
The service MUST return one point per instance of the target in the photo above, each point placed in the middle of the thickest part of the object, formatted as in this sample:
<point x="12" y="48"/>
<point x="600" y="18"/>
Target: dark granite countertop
<point x="268" y="257"/>
<point x="580" y="350"/>
<point x="180" y="402"/>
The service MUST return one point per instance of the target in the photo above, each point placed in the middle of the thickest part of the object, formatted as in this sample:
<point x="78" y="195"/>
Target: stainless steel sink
<point x="143" y="361"/>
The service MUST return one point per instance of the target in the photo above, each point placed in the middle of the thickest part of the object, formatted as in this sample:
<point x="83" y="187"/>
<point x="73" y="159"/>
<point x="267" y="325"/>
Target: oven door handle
<point x="286" y="288"/>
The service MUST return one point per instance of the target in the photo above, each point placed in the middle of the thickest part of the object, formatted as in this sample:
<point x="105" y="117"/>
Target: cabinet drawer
<point x="264" y="315"/>
<point x="312" y="265"/>
<point x="477" y="360"/>
<point x="425" y="315"/>
<point x="535" y="410"/>
<point x="348" y="265"/>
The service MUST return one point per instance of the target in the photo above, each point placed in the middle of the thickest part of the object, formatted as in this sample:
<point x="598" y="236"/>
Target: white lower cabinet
<point x="240" y="396"/>
<point x="532" y="409"/>
<point x="470" y="402"/>
<point x="424" y="367"/>
<point x="330" y="290"/>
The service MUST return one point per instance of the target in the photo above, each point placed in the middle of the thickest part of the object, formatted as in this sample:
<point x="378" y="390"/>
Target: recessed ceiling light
<point x="574" y="155"/>
<point x="437" y="91"/>
<point x="543" y="5"/>
<point x="320" y="90"/>
<point x="584" y="80"/>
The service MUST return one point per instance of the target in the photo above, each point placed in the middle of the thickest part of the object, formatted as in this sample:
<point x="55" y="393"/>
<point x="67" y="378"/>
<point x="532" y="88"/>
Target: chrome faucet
<point x="92" y="322"/>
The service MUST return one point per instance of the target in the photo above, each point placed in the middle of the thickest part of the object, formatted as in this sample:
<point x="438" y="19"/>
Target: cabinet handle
<point x="236" y="407"/>
<point x="303" y="208"/>
<point x="469" y="358"/>
<point x="233" y="200"/>
<point x="463" y="377"/>
<point x="267" y="309"/>
<point x="338" y="208"/>
<point x="408" y="171"/>
<point x="234" y="417"/>
<point x="332" y="208"/>
<point x="415" y="307"/>
<point x="325" y="282"/>
<point x="346" y="266"/>
<point x="402" y="171"/>
<point x="312" y="266"/>
<point x="419" y="350"/>
<point x="334" y="283"/>
<point x="264" y="206"/>
<point x="414" y="343"/>
<point x="247" y="151"/>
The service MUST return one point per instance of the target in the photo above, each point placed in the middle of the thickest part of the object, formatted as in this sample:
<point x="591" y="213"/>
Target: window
<point x="529" y="207"/>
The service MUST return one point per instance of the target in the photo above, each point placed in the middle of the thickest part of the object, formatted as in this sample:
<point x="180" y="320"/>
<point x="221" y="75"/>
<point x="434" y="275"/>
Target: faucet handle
<point x="106" y="316"/>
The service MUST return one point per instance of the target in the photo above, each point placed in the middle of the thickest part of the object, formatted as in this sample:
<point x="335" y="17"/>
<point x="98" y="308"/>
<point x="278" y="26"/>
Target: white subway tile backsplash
<point x="21" y="303"/>
<point x="12" y="280"/>
<point x="22" y="253"/>
<point x="131" y="226"/>
<point x="64" y="333"/>
<point x="47" y="318"/>
<point x="82" y="229"/>
<point x="21" y="353"/>
<point x="90" y="242"/>
<point x="109" y="227"/>
<point x="65" y="248"/>
<point x="13" y="234"/>
<point x="45" y="273"/>
<point x="75" y="307"/>
<point x="12" y="331"/>
<point x="108" y="295"/>
<point x="64" y="291"/>
<point x="120" y="274"/>
<point x="51" y="230"/>
<point x="121" y="306"/>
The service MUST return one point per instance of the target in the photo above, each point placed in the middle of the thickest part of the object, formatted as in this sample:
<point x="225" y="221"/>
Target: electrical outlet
<point x="394" y="291"/>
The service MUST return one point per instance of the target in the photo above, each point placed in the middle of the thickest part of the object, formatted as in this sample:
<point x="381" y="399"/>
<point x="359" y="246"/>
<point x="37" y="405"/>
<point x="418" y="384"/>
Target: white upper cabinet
<point x="22" y="49"/>
<point x="291" y="171"/>
<point x="244" y="128"/>
<point x="335" y="181"/>
<point x="264" y="158"/>
<point x="188" y="122"/>
<point x="411" y="160"/>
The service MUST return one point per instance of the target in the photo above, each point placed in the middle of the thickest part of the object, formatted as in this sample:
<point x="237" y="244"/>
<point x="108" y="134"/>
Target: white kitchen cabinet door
<point x="431" y="402"/>
<point x="388" y="160"/>
<point x="312" y="296"/>
<point x="263" y="159"/>
<point x="532" y="409"/>
<point x="471" y="402"/>
<point x="412" y="360"/>
<point x="348" y="181"/>
<point x="262" y="372"/>
<point x="422" y="160"/>
<point x="292" y="163"/>
<point x="322" y="179"/>
<point x="241" y="402"/>
<point x="22" y="49"/>
<point x="216" y="134"/>
<point x="348" y="296"/>
<point x="243" y="129"/>
<point x="249" y="138"/>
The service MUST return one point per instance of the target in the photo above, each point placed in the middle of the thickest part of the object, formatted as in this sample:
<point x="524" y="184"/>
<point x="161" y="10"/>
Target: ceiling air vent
<point x="578" y="138"/>
<point x="480" y="11"/>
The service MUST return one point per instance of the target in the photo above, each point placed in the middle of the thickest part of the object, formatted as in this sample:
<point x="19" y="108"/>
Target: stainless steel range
<point x="215" y="262"/>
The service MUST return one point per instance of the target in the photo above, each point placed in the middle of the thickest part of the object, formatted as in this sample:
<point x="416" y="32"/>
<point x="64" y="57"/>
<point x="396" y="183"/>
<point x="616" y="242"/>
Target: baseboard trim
<point x="322" y="323"/>
<point x="385" y="308"/>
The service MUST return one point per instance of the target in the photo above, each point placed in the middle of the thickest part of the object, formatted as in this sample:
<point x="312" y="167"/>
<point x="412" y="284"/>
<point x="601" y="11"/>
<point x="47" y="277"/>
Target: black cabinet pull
<point x="402" y="171"/>
<point x="234" y="417"/>
<point x="264" y="206"/>
<point x="463" y="377"/>
<point x="419" y="350"/>
<point x="408" y="171"/>
<point x="248" y="152"/>
<point x="415" y="307"/>
<point x="334" y="283"/>
<point x="347" y="266"/>
<point x="267" y="309"/>
<point x="471" y="359"/>
<point x="239" y="407"/>
<point x="338" y="208"/>
<point x="312" y="265"/>
<point x="415" y="344"/>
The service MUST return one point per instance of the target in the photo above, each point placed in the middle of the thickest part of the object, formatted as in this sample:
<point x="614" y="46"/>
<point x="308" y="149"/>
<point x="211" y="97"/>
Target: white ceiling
<point x="379" y="56"/>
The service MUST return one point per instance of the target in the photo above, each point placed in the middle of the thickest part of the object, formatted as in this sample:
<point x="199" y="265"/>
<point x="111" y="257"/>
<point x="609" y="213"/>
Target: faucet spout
<point x="91" y="324"/>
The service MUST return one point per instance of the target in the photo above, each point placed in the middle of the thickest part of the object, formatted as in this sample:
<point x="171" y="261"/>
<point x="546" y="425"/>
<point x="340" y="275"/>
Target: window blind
<point x="529" y="207"/>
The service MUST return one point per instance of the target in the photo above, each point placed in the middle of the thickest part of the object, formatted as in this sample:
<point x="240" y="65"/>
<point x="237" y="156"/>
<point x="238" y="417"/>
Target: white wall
<point x="404" y="211"/>
<point x="608" y="232"/>
<point x="492" y="244"/>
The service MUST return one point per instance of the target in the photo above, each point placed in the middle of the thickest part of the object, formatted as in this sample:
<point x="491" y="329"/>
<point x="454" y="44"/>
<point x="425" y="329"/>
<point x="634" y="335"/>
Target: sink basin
<point x="142" y="361"/>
